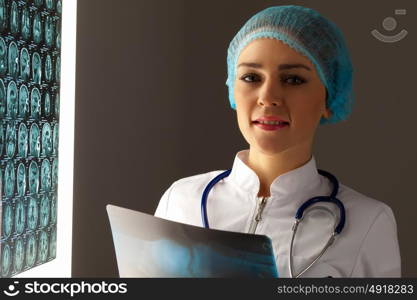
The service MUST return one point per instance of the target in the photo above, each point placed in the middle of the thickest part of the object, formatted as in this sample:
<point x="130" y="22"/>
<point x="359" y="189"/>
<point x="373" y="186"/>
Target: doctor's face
<point x="279" y="97"/>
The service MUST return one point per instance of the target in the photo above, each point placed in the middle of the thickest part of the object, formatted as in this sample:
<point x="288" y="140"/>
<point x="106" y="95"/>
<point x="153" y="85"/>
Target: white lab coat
<point x="367" y="247"/>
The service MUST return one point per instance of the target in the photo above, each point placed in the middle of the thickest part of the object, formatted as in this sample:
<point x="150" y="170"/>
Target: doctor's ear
<point x="327" y="113"/>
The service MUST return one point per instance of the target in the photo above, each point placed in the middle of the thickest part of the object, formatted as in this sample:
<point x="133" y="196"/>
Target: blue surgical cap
<point x="313" y="36"/>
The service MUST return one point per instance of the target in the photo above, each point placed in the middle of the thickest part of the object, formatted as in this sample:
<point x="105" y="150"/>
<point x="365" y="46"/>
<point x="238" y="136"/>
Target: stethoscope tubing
<point x="298" y="216"/>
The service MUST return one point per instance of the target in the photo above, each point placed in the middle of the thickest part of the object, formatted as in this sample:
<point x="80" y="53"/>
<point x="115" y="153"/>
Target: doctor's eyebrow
<point x="280" y="67"/>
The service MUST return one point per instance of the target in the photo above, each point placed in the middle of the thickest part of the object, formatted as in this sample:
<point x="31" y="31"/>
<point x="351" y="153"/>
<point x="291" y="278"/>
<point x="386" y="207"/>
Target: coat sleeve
<point x="162" y="209"/>
<point x="379" y="255"/>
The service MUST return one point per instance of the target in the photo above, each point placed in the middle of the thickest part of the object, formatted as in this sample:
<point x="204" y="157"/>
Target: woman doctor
<point x="289" y="71"/>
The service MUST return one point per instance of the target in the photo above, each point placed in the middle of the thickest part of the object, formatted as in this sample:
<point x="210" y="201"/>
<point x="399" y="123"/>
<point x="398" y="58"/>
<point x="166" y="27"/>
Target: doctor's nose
<point x="270" y="95"/>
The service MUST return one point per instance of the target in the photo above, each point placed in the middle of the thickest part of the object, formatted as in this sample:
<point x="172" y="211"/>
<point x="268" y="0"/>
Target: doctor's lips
<point x="270" y="123"/>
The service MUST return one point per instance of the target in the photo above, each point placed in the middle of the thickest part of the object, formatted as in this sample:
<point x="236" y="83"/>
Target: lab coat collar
<point x="299" y="181"/>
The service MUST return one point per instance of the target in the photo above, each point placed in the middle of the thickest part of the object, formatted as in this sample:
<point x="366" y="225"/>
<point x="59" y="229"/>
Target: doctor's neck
<point x="269" y="166"/>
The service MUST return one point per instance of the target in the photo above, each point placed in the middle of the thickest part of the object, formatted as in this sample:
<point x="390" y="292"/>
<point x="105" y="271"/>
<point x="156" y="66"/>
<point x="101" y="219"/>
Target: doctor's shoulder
<point x="181" y="202"/>
<point x="371" y="234"/>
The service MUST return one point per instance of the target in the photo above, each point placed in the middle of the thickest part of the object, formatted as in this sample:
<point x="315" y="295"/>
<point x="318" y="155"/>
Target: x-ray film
<point x="30" y="41"/>
<point x="147" y="246"/>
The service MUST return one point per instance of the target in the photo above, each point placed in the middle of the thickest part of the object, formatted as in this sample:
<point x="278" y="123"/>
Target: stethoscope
<point x="305" y="207"/>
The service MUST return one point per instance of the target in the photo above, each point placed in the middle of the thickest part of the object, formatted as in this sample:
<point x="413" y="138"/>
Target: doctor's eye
<point x="250" y="78"/>
<point x="293" y="80"/>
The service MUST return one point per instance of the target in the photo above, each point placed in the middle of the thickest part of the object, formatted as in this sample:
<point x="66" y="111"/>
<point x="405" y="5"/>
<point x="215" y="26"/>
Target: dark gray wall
<point x="151" y="107"/>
